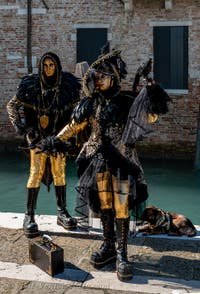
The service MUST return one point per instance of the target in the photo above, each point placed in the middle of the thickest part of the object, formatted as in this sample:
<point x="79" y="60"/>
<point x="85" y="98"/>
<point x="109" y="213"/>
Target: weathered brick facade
<point x="129" y="24"/>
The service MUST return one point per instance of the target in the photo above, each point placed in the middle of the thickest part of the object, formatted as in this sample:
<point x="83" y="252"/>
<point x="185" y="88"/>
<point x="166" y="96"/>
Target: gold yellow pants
<point x="113" y="194"/>
<point x="37" y="168"/>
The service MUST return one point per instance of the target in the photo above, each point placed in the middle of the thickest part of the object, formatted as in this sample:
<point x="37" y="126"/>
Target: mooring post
<point x="197" y="157"/>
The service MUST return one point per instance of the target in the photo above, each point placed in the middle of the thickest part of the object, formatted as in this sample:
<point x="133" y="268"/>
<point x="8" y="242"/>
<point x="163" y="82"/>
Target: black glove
<point x="51" y="145"/>
<point x="32" y="137"/>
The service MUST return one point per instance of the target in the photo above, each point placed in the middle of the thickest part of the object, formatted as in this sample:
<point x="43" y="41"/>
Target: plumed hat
<point x="111" y="64"/>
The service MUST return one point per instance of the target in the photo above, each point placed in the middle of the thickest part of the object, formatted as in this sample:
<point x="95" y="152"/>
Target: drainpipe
<point x="29" y="36"/>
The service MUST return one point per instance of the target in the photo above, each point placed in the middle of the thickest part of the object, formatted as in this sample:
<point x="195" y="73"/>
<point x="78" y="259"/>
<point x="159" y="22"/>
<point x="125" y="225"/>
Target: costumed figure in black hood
<point x="111" y="180"/>
<point x="41" y="107"/>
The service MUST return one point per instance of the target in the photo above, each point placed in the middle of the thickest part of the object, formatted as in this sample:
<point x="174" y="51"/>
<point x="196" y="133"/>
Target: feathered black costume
<point x="41" y="107"/>
<point x="38" y="98"/>
<point x="111" y="179"/>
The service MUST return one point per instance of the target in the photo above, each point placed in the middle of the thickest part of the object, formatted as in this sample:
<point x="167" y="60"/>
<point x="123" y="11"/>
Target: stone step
<point x="177" y="258"/>
<point x="157" y="256"/>
<point x="86" y="283"/>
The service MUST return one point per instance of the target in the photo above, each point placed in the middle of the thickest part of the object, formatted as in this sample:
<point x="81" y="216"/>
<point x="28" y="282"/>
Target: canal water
<point x="174" y="185"/>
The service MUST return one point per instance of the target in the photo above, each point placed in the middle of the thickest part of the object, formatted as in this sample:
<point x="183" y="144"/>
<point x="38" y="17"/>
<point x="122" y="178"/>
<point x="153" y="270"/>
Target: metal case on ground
<point x="46" y="255"/>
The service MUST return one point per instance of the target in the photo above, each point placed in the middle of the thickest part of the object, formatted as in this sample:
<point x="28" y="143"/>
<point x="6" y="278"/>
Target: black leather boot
<point x="64" y="219"/>
<point x="123" y="266"/>
<point x="107" y="252"/>
<point x="29" y="225"/>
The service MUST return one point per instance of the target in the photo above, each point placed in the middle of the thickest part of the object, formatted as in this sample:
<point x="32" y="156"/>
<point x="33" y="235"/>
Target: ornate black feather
<point x="105" y="49"/>
<point x="83" y="110"/>
<point x="28" y="88"/>
<point x="159" y="99"/>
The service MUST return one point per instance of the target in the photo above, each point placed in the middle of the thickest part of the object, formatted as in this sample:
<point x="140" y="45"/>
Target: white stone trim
<point x="23" y="11"/>
<point x="12" y="220"/>
<point x="168" y="4"/>
<point x="91" y="26"/>
<point x="170" y="23"/>
<point x="109" y="36"/>
<point x="99" y="280"/>
<point x="13" y="56"/>
<point x="8" y="7"/>
<point x="177" y="91"/>
<point x="128" y="5"/>
<point x="73" y="37"/>
<point x="24" y="70"/>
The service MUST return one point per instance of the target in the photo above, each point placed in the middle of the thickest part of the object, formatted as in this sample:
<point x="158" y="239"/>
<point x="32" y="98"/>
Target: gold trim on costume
<point x="71" y="129"/>
<point x="44" y="121"/>
<point x="37" y="168"/>
<point x="121" y="190"/>
<point x="105" y="57"/>
<point x="58" y="165"/>
<point x="104" y="189"/>
<point x="152" y="117"/>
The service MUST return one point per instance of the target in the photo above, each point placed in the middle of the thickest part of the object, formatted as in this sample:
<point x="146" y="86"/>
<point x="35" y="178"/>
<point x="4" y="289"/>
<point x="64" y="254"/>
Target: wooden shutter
<point x="171" y="56"/>
<point x="89" y="43"/>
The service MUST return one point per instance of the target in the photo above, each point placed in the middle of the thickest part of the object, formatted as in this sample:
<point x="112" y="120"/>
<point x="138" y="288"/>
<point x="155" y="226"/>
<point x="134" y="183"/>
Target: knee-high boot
<point x="29" y="225"/>
<point x="64" y="219"/>
<point x="123" y="266"/>
<point x="107" y="252"/>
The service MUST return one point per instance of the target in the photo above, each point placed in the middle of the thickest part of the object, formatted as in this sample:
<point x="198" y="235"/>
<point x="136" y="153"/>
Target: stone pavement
<point x="161" y="264"/>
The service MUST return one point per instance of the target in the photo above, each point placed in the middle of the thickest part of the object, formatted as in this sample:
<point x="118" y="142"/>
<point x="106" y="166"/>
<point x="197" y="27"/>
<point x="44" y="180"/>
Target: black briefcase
<point x="46" y="255"/>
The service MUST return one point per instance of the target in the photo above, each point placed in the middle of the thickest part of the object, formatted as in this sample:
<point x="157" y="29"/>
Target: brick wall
<point x="132" y="32"/>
